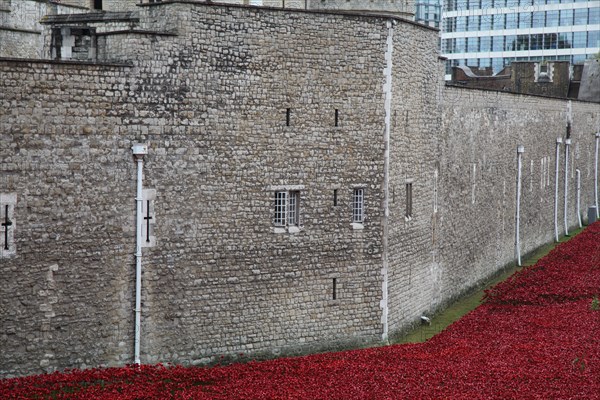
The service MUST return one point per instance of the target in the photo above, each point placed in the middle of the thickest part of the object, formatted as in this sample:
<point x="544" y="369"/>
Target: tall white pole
<point x="520" y="151"/>
<point x="566" y="213"/>
<point x="558" y="142"/>
<point x="138" y="262"/>
<point x="139" y="150"/>
<point x="387" y="104"/>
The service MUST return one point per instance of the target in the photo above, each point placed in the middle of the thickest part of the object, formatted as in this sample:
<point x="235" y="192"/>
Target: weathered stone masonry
<point x="477" y="154"/>
<point x="211" y="97"/>
<point x="20" y="27"/>
<point x="211" y="103"/>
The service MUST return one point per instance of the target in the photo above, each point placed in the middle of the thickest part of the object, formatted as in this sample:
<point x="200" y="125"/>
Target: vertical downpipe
<point x="139" y="150"/>
<point x="578" y="175"/>
<point x="567" y="145"/>
<point x="558" y="142"/>
<point x="387" y="90"/>
<point x="520" y="151"/>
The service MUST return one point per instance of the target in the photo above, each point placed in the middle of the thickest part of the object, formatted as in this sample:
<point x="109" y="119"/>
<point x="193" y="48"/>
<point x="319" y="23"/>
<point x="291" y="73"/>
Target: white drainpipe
<point x="520" y="151"/>
<point x="596" y="176"/>
<point x="558" y="142"/>
<point x="387" y="89"/>
<point x="139" y="151"/>
<point x="578" y="175"/>
<point x="567" y="144"/>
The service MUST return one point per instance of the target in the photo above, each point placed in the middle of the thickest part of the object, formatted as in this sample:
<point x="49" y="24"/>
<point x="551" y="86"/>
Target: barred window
<point x="293" y="208"/>
<point x="280" y="208"/>
<point x="287" y="211"/>
<point x="358" y="205"/>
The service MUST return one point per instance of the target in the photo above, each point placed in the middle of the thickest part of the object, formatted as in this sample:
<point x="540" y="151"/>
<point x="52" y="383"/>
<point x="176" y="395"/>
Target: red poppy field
<point x="537" y="336"/>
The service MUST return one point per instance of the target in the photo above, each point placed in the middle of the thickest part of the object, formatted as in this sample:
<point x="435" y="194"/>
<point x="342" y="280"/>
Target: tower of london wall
<point x="403" y="190"/>
<point x="212" y="103"/>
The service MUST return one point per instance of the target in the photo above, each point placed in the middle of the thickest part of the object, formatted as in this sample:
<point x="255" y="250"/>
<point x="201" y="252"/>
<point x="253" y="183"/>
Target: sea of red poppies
<point x="537" y="336"/>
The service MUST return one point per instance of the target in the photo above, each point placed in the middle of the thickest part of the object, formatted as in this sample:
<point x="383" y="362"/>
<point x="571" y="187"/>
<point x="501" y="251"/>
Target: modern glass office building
<point x="493" y="33"/>
<point x="428" y="12"/>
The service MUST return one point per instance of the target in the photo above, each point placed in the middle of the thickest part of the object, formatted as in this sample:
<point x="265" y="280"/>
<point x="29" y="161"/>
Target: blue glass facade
<point x="429" y="12"/>
<point x="484" y="33"/>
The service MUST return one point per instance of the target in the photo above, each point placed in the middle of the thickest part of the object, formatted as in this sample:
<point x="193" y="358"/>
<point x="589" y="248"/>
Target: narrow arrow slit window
<point x="7" y="224"/>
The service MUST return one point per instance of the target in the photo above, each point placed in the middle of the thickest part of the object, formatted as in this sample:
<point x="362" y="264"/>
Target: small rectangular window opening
<point x="293" y="209"/>
<point x="337" y="117"/>
<point x="335" y="197"/>
<point x="280" y="208"/>
<point x="358" y="205"/>
<point x="288" y="115"/>
<point x="97" y="4"/>
<point x="287" y="209"/>
<point x="409" y="200"/>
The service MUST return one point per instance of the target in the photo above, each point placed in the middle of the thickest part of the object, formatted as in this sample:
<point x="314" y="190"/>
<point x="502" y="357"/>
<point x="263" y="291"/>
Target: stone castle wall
<point x="477" y="155"/>
<point x="107" y="5"/>
<point x="236" y="104"/>
<point x="212" y="104"/>
<point x="414" y="119"/>
<point x="395" y="7"/>
<point x="68" y="298"/>
<point x="20" y="28"/>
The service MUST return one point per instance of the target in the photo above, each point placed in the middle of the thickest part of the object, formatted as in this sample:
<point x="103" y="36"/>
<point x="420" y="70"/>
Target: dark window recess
<point x="334" y="293"/>
<point x="56" y="43"/>
<point x="409" y="196"/>
<point x="288" y="115"/>
<point x="337" y="117"/>
<point x="97" y="4"/>
<point x="83" y="45"/>
<point x="335" y="198"/>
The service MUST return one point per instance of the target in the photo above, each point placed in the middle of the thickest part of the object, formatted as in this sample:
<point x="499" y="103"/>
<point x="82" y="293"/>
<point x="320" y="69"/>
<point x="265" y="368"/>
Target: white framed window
<point x="280" y="209"/>
<point x="292" y="212"/>
<point x="287" y="211"/>
<point x="358" y="206"/>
